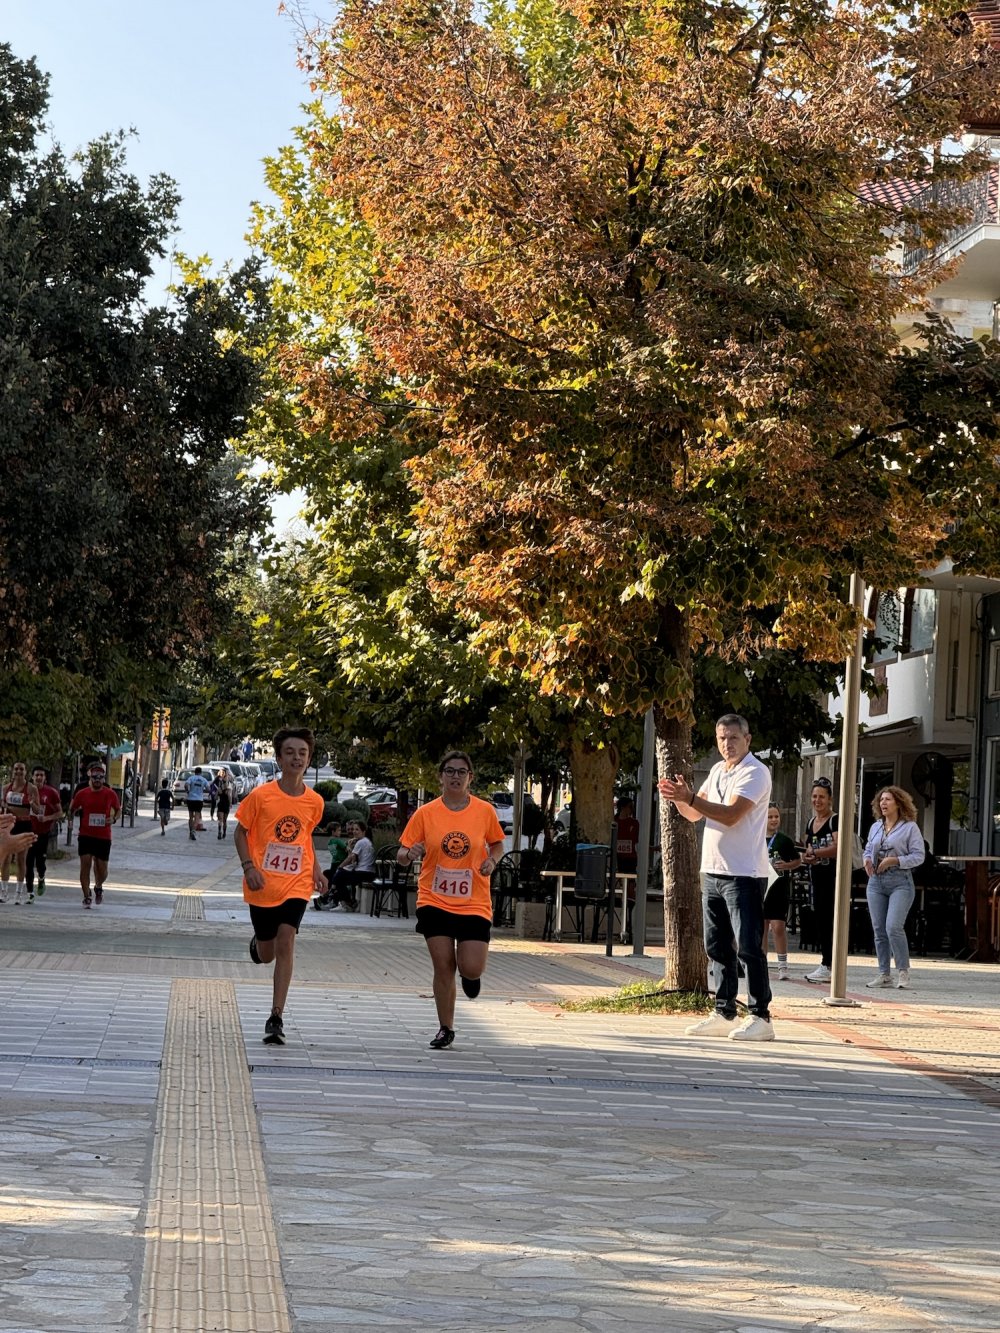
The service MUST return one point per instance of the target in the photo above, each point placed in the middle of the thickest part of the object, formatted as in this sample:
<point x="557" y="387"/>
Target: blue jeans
<point x="890" y="897"/>
<point x="733" y="907"/>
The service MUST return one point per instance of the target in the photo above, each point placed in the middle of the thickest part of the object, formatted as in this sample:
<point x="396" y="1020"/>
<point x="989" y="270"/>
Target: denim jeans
<point x="890" y="897"/>
<point x="733" y="907"/>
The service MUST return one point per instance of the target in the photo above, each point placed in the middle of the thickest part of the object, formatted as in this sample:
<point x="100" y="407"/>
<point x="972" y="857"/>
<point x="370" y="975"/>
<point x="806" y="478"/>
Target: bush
<point x="333" y="811"/>
<point x="356" y="808"/>
<point x="328" y="790"/>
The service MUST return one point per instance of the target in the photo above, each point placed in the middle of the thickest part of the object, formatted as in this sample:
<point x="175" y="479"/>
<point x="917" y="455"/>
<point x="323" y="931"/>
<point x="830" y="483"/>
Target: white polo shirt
<point x="742" y="849"/>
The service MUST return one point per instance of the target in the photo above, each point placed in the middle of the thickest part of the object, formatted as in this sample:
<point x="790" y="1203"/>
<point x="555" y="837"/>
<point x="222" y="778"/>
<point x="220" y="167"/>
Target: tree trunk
<point x="686" y="966"/>
<point x="594" y="771"/>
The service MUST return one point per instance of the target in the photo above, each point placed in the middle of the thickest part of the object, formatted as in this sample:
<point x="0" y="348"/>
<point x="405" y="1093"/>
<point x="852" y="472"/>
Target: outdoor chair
<point x="391" y="885"/>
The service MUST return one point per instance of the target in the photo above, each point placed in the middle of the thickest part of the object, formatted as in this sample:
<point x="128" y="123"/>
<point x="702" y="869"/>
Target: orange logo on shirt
<point x="456" y="845"/>
<point x="288" y="828"/>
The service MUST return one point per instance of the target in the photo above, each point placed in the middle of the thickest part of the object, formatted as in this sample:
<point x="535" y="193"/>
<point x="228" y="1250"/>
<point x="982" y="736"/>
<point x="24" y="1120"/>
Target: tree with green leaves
<point x="629" y="285"/>
<point x="121" y="499"/>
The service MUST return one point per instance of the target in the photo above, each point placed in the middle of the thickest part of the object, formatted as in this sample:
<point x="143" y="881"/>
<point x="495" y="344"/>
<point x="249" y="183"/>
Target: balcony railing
<point x="977" y="198"/>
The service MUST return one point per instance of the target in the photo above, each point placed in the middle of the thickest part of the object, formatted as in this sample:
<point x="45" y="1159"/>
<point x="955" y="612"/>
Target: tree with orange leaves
<point x="625" y="275"/>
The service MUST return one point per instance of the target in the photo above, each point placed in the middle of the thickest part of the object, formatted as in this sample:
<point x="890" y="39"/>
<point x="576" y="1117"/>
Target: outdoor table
<point x="564" y="880"/>
<point x="977" y="904"/>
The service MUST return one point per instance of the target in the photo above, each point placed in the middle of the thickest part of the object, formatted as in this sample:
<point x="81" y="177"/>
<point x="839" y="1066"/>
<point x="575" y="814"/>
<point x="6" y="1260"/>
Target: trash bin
<point x="591" y="876"/>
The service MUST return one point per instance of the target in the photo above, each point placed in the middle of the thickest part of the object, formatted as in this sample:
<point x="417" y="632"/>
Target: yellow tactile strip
<point x="211" y="1259"/>
<point x="189" y="906"/>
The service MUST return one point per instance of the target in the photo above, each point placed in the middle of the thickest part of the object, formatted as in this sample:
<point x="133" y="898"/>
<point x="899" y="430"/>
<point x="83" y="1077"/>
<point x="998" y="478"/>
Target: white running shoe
<point x="883" y="979"/>
<point x="753" y="1029"/>
<point x="820" y="974"/>
<point x="17" y="895"/>
<point x="3" y="893"/>
<point x="902" y="979"/>
<point x="715" y="1025"/>
<point x="783" y="972"/>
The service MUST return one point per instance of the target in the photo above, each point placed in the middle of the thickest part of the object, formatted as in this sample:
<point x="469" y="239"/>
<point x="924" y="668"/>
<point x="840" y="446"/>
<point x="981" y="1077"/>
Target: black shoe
<point x="472" y="986"/>
<point x="274" y="1031"/>
<point x="318" y="904"/>
<point x="353" y="905"/>
<point x="254" y="955"/>
<point x="445" y="1036"/>
<point x="191" y="836"/>
<point x="98" y="895"/>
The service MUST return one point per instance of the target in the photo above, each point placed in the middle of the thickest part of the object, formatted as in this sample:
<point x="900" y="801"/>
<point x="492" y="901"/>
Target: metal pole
<point x="612" y="886"/>
<point x="846" y="809"/>
<point x="647" y="781"/>
<point x="518" y="812"/>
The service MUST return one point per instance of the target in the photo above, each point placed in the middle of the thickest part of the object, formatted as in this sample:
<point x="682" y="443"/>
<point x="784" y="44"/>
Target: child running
<point x="460" y="840"/>
<point x="273" y="838"/>
<point x="164" y="805"/>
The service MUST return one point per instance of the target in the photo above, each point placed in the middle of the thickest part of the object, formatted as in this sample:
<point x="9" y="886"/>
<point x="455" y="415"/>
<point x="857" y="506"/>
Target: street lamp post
<point x="847" y="809"/>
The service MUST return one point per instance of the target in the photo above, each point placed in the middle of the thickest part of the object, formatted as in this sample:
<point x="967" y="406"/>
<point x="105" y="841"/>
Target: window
<point x="888" y="626"/>
<point x="919" y="619"/>
<point x="993" y="686"/>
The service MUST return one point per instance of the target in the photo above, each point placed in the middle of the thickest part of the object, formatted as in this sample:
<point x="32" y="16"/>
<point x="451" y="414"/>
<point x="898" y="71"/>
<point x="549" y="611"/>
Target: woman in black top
<point x="821" y="857"/>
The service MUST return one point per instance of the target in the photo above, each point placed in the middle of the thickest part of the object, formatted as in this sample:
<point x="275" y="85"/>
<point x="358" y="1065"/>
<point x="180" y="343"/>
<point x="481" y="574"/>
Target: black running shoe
<point x="254" y="955"/>
<point x="472" y="986"/>
<point x="445" y="1036"/>
<point x="274" y="1031"/>
<point x="98" y="896"/>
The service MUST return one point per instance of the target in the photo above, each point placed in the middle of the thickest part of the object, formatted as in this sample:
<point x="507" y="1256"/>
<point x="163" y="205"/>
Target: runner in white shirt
<point x="734" y="872"/>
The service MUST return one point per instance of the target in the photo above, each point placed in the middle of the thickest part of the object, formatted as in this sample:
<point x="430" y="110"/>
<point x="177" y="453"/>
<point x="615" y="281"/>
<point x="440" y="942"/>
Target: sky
<point x="210" y="88"/>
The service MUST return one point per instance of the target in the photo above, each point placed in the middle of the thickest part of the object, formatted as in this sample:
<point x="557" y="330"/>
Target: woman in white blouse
<point x="895" y="845"/>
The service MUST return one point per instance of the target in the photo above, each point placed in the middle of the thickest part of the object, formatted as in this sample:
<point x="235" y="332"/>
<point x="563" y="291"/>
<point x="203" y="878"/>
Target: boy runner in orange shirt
<point x="459" y="840"/>
<point x="273" y="838"/>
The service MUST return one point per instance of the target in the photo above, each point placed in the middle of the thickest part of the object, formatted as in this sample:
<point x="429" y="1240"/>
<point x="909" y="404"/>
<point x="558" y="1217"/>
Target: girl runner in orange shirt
<point x="459" y="839"/>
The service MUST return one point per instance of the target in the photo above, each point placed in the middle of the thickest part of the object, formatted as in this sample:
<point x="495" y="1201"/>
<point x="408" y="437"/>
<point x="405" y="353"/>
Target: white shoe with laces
<point x="715" y="1025"/>
<point x="753" y="1029"/>
<point x="903" y="979"/>
<point x="783" y="972"/>
<point x="883" y="979"/>
<point x="820" y="974"/>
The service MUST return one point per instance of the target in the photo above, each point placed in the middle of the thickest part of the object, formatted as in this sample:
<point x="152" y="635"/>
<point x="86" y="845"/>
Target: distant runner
<point x="20" y="799"/>
<point x="195" y="788"/>
<point x="224" y="798"/>
<point x="274" y="827"/>
<point x="42" y="824"/>
<point x="98" y="807"/>
<point x="164" y="805"/>
<point x="459" y="839"/>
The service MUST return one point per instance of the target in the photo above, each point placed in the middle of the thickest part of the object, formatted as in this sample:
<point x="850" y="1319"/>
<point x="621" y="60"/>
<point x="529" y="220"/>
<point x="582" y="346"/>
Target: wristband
<point x="244" y="864"/>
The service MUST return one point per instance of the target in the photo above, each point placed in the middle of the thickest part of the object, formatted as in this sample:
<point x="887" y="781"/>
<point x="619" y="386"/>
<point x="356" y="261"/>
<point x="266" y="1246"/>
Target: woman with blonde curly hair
<point x="895" y="845"/>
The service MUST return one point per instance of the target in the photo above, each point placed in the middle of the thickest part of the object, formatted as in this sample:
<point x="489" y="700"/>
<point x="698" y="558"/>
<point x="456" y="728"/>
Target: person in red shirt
<point x="20" y="799"/>
<point x="459" y="840"/>
<point x="42" y="825"/>
<point x="273" y="838"/>
<point x="98" y="807"/>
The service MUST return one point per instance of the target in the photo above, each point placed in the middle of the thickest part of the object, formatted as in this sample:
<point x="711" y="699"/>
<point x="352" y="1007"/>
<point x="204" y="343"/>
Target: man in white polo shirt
<point x="733" y="803"/>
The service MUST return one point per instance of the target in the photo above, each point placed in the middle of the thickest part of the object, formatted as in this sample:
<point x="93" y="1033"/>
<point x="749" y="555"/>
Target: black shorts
<point x="458" y="926"/>
<point x="194" y="807"/>
<point x="266" y="920"/>
<point x="224" y="806"/>
<point x="99" y="847"/>
<point x="22" y="826"/>
<point x="776" y="900"/>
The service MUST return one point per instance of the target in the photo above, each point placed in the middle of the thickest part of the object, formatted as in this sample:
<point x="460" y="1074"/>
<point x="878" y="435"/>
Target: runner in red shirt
<point x="98" y="807"/>
<point x="42" y="826"/>
<point x="20" y="799"/>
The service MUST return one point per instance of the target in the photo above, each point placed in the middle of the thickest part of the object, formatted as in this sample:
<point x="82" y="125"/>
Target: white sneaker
<point x="821" y="973"/>
<point x="783" y="972"/>
<point x="753" y="1029"/>
<point x="716" y="1025"/>
<point x="3" y="893"/>
<point x="902" y="979"/>
<point x="17" y="896"/>
<point x="883" y="979"/>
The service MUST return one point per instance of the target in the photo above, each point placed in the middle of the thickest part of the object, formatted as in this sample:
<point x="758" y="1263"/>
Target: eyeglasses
<point x="455" y="772"/>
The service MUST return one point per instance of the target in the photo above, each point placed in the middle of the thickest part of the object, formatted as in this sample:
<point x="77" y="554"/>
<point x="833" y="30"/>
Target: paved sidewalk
<point x="553" y="1171"/>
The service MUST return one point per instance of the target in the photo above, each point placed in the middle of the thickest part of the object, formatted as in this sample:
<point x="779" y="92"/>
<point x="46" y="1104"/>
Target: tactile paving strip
<point x="189" y="906"/>
<point x="211" y="1259"/>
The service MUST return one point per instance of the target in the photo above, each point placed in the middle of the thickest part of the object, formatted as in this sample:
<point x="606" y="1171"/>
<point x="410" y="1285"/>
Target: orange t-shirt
<point x="457" y="843"/>
<point x="279" y="834"/>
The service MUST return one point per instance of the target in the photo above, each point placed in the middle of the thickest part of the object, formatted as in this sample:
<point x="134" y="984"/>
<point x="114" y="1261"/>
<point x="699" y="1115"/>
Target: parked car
<point x="381" y="801"/>
<point x="254" y="772"/>
<point x="232" y="768"/>
<point x="503" y="804"/>
<point x="178" y="786"/>
<point x="269" y="768"/>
